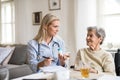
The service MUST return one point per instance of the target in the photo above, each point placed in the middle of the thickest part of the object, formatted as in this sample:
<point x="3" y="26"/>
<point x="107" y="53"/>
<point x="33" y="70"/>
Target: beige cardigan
<point x="100" y="60"/>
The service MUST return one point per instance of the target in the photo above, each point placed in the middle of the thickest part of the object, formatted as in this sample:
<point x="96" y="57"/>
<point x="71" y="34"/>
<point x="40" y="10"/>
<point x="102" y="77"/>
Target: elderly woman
<point x="99" y="60"/>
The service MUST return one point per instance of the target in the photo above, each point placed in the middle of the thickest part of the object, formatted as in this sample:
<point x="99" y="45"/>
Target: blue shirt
<point x="36" y="52"/>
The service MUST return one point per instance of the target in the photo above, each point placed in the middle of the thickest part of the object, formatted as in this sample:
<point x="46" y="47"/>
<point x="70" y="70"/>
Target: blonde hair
<point x="46" y="21"/>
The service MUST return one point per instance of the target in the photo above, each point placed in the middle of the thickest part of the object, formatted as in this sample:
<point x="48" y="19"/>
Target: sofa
<point x="17" y="65"/>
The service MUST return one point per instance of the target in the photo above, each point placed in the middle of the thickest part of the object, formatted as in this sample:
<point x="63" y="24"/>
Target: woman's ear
<point x="101" y="39"/>
<point x="45" y="27"/>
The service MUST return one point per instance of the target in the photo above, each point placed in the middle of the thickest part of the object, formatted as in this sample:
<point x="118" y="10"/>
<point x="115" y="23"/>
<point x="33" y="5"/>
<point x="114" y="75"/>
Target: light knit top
<point x="100" y="60"/>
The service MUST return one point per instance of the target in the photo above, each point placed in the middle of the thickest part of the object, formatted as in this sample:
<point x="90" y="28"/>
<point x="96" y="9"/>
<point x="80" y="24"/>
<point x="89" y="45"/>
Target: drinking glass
<point x="84" y="69"/>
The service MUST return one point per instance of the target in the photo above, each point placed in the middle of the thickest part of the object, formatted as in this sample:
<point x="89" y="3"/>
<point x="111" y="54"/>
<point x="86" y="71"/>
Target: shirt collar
<point x="54" y="39"/>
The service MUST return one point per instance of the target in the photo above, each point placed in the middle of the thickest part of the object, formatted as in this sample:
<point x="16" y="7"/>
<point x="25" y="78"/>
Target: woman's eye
<point x="55" y="26"/>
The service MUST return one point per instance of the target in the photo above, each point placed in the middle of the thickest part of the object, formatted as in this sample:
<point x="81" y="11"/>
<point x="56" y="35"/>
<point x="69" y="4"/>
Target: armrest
<point x="20" y="71"/>
<point x="4" y="73"/>
<point x="118" y="71"/>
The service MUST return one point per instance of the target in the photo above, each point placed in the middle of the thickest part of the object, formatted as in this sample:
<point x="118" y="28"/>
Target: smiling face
<point x="53" y="28"/>
<point x="93" y="41"/>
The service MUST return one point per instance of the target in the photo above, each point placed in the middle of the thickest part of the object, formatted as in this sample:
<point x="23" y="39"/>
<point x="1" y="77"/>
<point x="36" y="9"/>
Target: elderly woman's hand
<point x="93" y="70"/>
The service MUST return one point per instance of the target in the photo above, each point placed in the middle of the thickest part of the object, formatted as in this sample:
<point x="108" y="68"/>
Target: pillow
<point x="6" y="60"/>
<point x="4" y="52"/>
<point x="19" y="55"/>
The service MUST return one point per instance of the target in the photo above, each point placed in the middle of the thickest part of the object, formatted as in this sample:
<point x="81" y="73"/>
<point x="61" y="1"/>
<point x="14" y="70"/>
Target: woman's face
<point x="92" y="40"/>
<point x="53" y="28"/>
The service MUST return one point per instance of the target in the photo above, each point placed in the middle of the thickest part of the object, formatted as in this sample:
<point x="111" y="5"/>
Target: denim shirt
<point x="36" y="52"/>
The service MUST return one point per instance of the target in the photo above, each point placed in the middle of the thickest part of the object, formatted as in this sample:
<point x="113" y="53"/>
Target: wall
<point x="25" y="31"/>
<point x="85" y="15"/>
<point x="0" y="20"/>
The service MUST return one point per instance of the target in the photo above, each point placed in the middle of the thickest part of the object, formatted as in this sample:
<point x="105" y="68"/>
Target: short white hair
<point x="100" y="32"/>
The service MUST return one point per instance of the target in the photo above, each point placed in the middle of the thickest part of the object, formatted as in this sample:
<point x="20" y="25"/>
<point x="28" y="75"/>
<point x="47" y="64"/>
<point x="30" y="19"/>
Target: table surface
<point x="74" y="75"/>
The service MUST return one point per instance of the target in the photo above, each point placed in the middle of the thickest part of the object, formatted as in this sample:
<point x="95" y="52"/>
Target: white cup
<point x="62" y="75"/>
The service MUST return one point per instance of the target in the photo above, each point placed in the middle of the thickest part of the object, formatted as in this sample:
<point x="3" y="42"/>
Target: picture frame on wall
<point x="54" y="4"/>
<point x="36" y="18"/>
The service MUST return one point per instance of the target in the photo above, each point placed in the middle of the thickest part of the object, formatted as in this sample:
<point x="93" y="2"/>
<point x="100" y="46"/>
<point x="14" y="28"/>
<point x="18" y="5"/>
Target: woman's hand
<point x="62" y="58"/>
<point x="47" y="62"/>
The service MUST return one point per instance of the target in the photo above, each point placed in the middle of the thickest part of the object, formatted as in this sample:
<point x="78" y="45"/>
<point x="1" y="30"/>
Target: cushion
<point x="19" y="55"/>
<point x="4" y="52"/>
<point x="4" y="74"/>
<point x="6" y="60"/>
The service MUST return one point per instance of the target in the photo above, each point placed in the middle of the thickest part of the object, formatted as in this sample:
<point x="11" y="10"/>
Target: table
<point x="47" y="76"/>
<point x="74" y="75"/>
<point x="77" y="75"/>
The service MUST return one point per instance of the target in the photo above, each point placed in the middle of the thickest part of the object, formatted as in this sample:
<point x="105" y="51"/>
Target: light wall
<point x="85" y="11"/>
<point x="0" y="20"/>
<point x="73" y="21"/>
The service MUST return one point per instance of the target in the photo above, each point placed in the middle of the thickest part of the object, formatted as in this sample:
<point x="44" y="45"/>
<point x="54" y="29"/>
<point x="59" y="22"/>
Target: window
<point x="109" y="18"/>
<point x="7" y="22"/>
